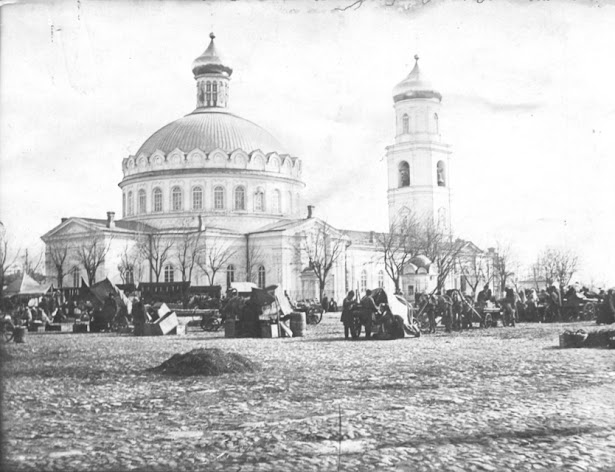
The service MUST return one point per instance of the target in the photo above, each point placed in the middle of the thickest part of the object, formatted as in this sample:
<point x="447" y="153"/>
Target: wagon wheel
<point x="7" y="332"/>
<point x="589" y="311"/>
<point x="314" y="316"/>
<point x="210" y="324"/>
<point x="355" y="327"/>
<point x="488" y="321"/>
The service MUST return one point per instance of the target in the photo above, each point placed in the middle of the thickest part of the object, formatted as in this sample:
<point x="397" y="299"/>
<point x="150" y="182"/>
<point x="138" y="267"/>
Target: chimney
<point x="111" y="219"/>
<point x="311" y="209"/>
<point x="64" y="219"/>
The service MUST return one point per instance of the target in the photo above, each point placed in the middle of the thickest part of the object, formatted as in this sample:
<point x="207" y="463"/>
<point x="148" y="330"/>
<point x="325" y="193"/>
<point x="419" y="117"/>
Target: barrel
<point x="19" y="334"/>
<point x="229" y="328"/>
<point x="297" y="324"/>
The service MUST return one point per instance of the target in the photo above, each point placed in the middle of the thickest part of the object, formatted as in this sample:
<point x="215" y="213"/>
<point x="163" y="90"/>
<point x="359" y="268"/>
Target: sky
<point x="528" y="107"/>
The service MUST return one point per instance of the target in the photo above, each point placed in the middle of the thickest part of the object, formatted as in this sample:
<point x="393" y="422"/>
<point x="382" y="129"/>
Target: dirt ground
<point x="494" y="400"/>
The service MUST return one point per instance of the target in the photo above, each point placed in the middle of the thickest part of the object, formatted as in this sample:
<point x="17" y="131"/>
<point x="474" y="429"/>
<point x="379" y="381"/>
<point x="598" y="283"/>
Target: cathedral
<point x="213" y="198"/>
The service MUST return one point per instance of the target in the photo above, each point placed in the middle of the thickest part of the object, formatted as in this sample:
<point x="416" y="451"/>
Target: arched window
<point x="381" y="278"/>
<point x="197" y="198"/>
<point x="240" y="198"/>
<point x="405" y="124"/>
<point x="208" y="93"/>
<point x="261" y="277"/>
<point x="259" y="200"/>
<point x="176" y="199"/>
<point x="442" y="218"/>
<point x="141" y="208"/>
<point x="157" y="199"/>
<point x="124" y="204"/>
<point x="275" y="203"/>
<point x="129" y="204"/>
<point x="215" y="94"/>
<point x="219" y="198"/>
<point x="363" y="281"/>
<point x="441" y="171"/>
<point x="76" y="277"/>
<point x="436" y="122"/>
<point x="404" y="174"/>
<point x="169" y="274"/>
<point x="230" y="275"/>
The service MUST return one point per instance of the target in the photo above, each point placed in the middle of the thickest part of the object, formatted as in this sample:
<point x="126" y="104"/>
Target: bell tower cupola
<point x="212" y="78"/>
<point x="418" y="161"/>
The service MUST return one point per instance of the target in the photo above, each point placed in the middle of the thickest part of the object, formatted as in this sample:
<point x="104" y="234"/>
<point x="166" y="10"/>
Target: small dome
<point x="208" y="129"/>
<point x="210" y="62"/>
<point x="421" y="262"/>
<point x="415" y="86"/>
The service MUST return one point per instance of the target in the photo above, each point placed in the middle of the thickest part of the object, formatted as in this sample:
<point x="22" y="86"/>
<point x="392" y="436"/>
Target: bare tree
<point x="398" y="247"/>
<point x="558" y="265"/>
<point x="213" y="256"/>
<point x="31" y="266"/>
<point x="503" y="264"/>
<point x="58" y="252"/>
<point x="475" y="271"/>
<point x="187" y="253"/>
<point x="6" y="259"/>
<point x="437" y="244"/>
<point x="91" y="255"/>
<point x="322" y="251"/>
<point x="254" y="257"/>
<point x="130" y="263"/>
<point x="156" y="249"/>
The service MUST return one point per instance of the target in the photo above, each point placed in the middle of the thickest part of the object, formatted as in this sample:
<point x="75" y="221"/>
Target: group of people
<point x="373" y="312"/>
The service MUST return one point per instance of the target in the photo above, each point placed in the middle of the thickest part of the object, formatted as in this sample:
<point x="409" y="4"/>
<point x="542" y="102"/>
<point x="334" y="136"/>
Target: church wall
<point x="288" y="204"/>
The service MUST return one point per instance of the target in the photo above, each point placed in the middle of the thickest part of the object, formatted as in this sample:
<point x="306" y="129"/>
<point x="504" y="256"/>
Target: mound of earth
<point x="206" y="362"/>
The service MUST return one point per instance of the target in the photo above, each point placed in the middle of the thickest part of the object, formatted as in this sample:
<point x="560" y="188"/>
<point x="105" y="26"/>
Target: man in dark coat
<point x="346" y="317"/>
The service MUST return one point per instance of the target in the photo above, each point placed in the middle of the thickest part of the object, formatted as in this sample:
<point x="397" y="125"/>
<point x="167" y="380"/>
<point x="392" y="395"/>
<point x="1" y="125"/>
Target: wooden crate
<point x="81" y="327"/>
<point x="269" y="330"/>
<point x="167" y="323"/>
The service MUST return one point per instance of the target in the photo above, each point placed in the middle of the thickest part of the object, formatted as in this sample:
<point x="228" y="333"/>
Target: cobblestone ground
<point x="496" y="399"/>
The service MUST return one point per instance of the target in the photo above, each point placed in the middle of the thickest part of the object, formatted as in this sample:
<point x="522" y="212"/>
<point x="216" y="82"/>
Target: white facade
<point x="419" y="161"/>
<point x="225" y="179"/>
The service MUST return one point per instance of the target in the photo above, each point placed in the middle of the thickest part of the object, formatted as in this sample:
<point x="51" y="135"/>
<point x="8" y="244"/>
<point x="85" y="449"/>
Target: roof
<point x="363" y="237"/>
<point x="210" y="61"/>
<point x="123" y="224"/>
<point x="415" y="85"/>
<point x="208" y="129"/>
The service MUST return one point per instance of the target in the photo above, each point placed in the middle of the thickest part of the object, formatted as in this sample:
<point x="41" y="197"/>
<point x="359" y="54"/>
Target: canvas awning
<point x="26" y="285"/>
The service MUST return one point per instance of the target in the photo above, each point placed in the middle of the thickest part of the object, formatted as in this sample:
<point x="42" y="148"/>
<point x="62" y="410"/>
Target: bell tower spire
<point x="212" y="78"/>
<point x="418" y="161"/>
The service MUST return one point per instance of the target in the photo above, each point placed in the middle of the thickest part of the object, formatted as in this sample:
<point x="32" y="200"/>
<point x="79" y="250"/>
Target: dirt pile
<point x="206" y="362"/>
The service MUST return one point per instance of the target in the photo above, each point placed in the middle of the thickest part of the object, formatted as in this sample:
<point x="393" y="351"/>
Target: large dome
<point x="208" y="129"/>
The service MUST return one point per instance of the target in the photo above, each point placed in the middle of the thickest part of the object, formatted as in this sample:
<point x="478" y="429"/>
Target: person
<point x="555" y="303"/>
<point x="606" y="313"/>
<point x="445" y="308"/>
<point x="484" y="295"/>
<point x="509" y="306"/>
<point x="346" y="317"/>
<point x="368" y="305"/>
<point x="325" y="303"/>
<point x="138" y="317"/>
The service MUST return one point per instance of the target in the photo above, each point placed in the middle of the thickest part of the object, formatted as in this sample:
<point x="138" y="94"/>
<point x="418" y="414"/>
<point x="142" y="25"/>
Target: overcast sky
<point x="528" y="106"/>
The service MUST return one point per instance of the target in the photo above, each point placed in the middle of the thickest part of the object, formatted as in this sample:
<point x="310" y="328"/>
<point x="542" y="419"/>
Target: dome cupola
<point x="210" y="62"/>
<point x="415" y="86"/>
<point x="212" y="78"/>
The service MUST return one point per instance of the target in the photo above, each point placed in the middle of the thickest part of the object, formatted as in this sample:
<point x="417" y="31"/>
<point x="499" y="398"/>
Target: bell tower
<point x="212" y="78"/>
<point x="418" y="161"/>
